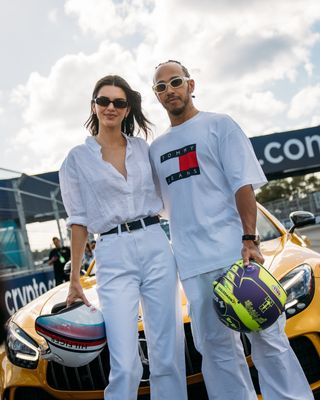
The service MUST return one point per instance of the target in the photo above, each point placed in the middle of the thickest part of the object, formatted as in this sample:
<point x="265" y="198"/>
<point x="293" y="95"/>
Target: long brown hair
<point x="134" y="100"/>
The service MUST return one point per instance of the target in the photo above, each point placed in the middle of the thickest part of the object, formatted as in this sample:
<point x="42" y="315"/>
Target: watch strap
<point x="250" y="237"/>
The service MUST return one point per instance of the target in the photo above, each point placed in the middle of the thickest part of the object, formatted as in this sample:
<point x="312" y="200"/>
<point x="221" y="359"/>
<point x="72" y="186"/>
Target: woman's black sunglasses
<point x="104" y="101"/>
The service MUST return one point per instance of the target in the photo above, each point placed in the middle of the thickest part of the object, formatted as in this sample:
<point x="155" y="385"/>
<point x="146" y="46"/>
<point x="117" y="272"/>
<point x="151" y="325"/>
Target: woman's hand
<point x="75" y="293"/>
<point x="251" y="251"/>
<point x="79" y="237"/>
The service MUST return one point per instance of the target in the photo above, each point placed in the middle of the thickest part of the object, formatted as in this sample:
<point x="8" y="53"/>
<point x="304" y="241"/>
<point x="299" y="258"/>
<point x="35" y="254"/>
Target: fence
<point x="282" y="208"/>
<point x="25" y="199"/>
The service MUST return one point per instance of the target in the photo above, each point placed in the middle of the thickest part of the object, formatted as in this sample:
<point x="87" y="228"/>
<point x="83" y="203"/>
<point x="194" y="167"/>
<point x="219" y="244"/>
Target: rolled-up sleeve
<point x="71" y="193"/>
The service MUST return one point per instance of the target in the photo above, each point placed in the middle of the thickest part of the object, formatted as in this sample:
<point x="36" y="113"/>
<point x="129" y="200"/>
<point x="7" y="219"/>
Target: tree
<point x="289" y="188"/>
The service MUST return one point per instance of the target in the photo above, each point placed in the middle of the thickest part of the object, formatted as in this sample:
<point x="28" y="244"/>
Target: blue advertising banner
<point x="288" y="153"/>
<point x="21" y="289"/>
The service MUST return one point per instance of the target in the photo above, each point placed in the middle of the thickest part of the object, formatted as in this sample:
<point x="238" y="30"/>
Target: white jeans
<point x="224" y="367"/>
<point x="140" y="266"/>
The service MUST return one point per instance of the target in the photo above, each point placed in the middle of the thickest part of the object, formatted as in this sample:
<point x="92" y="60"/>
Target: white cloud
<point x="110" y="19"/>
<point x="1" y="100"/>
<point x="257" y="111"/>
<point x="305" y="103"/>
<point x="315" y="121"/>
<point x="236" y="51"/>
<point x="53" y="15"/>
<point x="247" y="58"/>
<point x="309" y="67"/>
<point x="55" y="107"/>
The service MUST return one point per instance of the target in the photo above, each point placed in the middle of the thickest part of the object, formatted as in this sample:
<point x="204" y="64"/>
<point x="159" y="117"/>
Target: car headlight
<point x="21" y="349"/>
<point x="299" y="285"/>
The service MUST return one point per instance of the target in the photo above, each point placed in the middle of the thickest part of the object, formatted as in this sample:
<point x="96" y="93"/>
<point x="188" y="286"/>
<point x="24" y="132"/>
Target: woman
<point x="107" y="189"/>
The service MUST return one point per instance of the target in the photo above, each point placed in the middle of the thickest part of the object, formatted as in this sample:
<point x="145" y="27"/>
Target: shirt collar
<point x="95" y="146"/>
<point x="92" y="143"/>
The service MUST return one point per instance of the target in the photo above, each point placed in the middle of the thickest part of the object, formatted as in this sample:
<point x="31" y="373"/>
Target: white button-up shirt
<point x="96" y="195"/>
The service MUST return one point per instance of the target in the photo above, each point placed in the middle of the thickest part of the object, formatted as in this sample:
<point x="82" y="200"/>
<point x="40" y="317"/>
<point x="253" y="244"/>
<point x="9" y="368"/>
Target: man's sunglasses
<point x="104" y="101"/>
<point x="174" y="83"/>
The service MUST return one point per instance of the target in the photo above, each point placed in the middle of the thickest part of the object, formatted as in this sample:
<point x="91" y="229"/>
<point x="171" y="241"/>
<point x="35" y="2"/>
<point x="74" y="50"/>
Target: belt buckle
<point x="127" y="227"/>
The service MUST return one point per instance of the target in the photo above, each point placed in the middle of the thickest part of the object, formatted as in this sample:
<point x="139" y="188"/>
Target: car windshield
<point x="266" y="228"/>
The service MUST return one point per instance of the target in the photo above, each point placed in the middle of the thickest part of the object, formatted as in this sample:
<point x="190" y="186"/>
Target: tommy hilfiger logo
<point x="188" y="163"/>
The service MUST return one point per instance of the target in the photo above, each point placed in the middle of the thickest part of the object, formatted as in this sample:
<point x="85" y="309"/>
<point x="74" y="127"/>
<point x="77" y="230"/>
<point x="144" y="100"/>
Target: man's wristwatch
<point x="254" y="238"/>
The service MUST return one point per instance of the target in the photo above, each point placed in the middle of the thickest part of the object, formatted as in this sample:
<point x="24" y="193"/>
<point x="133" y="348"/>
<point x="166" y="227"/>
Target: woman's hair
<point x="134" y="100"/>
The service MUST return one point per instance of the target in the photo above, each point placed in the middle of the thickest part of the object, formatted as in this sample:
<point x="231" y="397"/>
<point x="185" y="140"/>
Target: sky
<point x="258" y="61"/>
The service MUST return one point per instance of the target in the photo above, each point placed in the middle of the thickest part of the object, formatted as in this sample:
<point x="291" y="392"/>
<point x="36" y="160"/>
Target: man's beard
<point x="179" y="110"/>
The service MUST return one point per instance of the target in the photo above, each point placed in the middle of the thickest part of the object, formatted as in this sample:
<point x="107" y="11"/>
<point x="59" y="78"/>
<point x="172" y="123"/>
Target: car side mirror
<point x="300" y="219"/>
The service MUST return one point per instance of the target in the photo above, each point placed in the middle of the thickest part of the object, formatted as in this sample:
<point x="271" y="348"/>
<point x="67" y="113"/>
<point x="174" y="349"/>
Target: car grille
<point x="193" y="358"/>
<point x="94" y="376"/>
<point x="308" y="357"/>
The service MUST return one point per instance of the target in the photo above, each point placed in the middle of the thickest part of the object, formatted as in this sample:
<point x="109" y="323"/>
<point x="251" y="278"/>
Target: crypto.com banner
<point x="288" y="153"/>
<point x="23" y="288"/>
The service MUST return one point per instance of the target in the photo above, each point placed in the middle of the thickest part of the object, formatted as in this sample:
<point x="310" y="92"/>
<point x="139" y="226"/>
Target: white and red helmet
<point x="75" y="335"/>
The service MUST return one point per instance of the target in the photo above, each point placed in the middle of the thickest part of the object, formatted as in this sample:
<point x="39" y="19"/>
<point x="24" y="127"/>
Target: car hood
<point x="26" y="316"/>
<point x="271" y="250"/>
<point x="286" y="253"/>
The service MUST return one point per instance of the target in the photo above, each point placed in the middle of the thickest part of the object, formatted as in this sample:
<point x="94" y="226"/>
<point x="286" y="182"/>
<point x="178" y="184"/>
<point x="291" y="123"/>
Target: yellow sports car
<point x="25" y="375"/>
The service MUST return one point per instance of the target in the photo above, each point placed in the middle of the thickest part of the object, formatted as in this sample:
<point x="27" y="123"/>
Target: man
<point x="93" y="245"/>
<point x="58" y="257"/>
<point x="206" y="170"/>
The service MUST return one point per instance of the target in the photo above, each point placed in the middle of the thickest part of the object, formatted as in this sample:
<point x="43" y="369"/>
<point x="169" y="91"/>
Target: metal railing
<point x="282" y="208"/>
<point x="24" y="198"/>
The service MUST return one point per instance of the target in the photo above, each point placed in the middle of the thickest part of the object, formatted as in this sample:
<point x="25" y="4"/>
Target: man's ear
<point x="191" y="86"/>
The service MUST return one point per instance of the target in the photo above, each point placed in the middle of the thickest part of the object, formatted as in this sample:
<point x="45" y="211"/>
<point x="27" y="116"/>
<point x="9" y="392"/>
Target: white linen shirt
<point x="98" y="196"/>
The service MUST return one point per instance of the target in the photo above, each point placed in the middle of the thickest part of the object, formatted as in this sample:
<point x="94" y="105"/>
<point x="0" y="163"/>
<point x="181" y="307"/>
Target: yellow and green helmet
<point x="248" y="298"/>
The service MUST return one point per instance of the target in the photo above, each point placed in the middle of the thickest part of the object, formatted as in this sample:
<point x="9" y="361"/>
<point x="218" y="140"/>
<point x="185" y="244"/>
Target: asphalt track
<point x="198" y="392"/>
<point x="195" y="392"/>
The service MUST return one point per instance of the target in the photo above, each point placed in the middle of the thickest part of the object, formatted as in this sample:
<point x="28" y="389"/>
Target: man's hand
<point x="251" y="251"/>
<point x="52" y="260"/>
<point x="76" y="293"/>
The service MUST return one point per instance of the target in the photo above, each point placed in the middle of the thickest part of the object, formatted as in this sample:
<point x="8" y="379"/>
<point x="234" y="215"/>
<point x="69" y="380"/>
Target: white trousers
<point x="224" y="367"/>
<point x="140" y="266"/>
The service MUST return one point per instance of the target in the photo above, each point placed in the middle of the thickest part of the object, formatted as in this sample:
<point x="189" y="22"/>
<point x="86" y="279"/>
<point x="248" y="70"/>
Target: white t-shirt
<point x="199" y="166"/>
<point x="97" y="196"/>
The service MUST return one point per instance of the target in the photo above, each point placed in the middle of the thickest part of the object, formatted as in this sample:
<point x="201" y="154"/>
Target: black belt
<point x="132" y="226"/>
